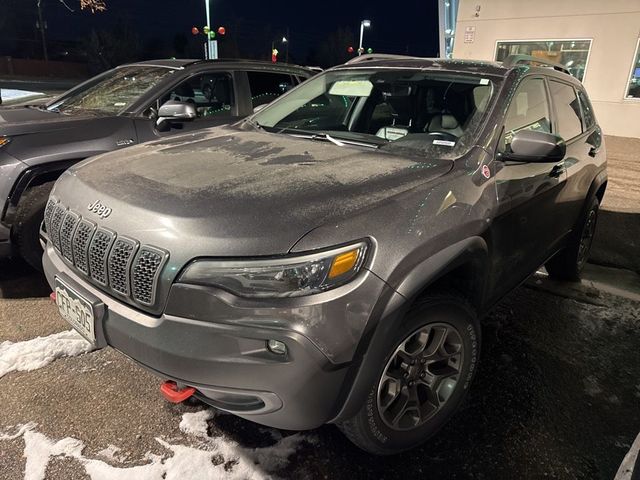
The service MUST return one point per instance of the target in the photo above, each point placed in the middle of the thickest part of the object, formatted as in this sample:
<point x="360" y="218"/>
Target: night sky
<point x="409" y="26"/>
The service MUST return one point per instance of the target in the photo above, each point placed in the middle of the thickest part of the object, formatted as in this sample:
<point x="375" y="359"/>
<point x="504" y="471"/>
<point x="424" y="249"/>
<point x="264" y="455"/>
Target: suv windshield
<point x="426" y="112"/>
<point x="113" y="92"/>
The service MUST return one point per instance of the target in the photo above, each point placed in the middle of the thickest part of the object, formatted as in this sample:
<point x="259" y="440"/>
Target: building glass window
<point x="573" y="54"/>
<point x="633" y="89"/>
<point x="448" y="30"/>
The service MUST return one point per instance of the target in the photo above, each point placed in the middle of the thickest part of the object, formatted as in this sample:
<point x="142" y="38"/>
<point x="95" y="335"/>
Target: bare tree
<point x="93" y="5"/>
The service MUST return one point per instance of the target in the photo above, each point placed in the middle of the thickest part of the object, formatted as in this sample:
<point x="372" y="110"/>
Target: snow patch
<point x="40" y="351"/>
<point x="214" y="458"/>
<point x="196" y="423"/>
<point x="113" y="453"/>
<point x="14" y="94"/>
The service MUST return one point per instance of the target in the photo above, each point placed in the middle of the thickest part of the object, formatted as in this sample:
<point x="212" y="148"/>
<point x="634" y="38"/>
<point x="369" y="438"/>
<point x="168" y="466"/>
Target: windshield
<point x="425" y="112"/>
<point x="113" y="92"/>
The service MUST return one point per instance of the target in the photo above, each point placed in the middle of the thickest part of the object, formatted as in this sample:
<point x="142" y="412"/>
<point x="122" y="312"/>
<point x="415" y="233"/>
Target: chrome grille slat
<point x="67" y="229"/>
<point x="98" y="254"/>
<point x="80" y="245"/>
<point x="119" y="265"/>
<point x="56" y="220"/>
<point x="48" y="211"/>
<point x="146" y="269"/>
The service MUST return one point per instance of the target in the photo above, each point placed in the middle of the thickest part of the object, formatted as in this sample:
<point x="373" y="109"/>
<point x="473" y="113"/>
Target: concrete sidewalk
<point x="617" y="240"/>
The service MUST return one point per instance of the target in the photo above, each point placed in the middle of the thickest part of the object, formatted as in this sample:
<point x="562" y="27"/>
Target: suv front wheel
<point x="26" y="228"/>
<point x="425" y="376"/>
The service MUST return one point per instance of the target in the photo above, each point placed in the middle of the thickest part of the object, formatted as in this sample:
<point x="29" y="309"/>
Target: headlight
<point x="282" y="277"/>
<point x="4" y="141"/>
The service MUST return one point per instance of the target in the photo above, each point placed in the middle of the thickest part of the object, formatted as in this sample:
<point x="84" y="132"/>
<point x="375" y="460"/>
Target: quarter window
<point x="587" y="110"/>
<point x="267" y="86"/>
<point x="567" y="109"/>
<point x="529" y="110"/>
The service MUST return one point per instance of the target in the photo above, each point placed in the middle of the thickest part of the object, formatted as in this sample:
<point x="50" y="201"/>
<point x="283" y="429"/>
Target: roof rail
<point x="377" y="56"/>
<point x="514" y="60"/>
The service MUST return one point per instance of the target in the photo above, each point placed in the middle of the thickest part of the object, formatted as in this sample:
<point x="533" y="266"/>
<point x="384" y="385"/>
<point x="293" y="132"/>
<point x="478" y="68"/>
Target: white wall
<point x="613" y="26"/>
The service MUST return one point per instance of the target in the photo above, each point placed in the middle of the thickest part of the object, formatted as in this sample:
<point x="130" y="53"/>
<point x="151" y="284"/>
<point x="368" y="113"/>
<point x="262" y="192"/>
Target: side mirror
<point x="176" y="111"/>
<point x="532" y="146"/>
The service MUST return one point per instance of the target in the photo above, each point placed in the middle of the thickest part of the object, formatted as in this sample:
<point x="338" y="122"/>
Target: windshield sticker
<point x="445" y="143"/>
<point x="352" y="88"/>
<point x="484" y="81"/>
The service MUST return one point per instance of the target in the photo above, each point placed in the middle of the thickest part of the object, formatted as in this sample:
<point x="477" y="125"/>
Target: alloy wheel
<point x="420" y="376"/>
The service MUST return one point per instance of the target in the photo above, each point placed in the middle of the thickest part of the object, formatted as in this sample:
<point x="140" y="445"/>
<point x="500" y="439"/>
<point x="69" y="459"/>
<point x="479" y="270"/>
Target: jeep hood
<point x="22" y="120"/>
<point x="225" y="192"/>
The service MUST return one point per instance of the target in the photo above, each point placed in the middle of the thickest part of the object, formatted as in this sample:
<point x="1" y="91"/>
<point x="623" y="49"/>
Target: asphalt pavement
<point x="557" y="395"/>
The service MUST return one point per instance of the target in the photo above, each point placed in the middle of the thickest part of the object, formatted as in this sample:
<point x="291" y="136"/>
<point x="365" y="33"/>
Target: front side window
<point x="529" y="110"/>
<point x="436" y="113"/>
<point x="211" y="93"/>
<point x="633" y="89"/>
<point x="573" y="54"/>
<point x="567" y="109"/>
<point x="267" y="86"/>
<point x="113" y="92"/>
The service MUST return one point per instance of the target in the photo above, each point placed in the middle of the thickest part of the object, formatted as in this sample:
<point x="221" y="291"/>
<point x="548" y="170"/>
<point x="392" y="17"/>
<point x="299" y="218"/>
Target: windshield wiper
<point x="254" y="124"/>
<point x="326" y="137"/>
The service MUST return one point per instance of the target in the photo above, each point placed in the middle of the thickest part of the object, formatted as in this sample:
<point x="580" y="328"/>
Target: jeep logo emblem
<point x="99" y="209"/>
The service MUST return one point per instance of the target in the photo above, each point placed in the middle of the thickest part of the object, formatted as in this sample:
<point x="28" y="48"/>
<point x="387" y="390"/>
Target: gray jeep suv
<point x="130" y="104"/>
<point x="328" y="259"/>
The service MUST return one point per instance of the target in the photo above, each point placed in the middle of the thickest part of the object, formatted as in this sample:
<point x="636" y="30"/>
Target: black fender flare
<point x="389" y="313"/>
<point x="33" y="176"/>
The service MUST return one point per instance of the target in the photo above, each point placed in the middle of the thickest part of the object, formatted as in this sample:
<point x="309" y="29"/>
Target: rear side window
<point x="567" y="109"/>
<point x="587" y="111"/>
<point x="529" y="110"/>
<point x="267" y="86"/>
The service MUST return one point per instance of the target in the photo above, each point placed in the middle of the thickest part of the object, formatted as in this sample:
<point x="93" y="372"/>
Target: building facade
<point x="598" y="41"/>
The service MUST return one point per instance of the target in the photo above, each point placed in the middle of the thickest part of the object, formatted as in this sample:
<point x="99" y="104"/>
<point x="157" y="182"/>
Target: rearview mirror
<point x="532" y="146"/>
<point x="176" y="111"/>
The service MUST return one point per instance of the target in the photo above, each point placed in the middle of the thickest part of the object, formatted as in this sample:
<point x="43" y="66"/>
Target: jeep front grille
<point x="115" y="263"/>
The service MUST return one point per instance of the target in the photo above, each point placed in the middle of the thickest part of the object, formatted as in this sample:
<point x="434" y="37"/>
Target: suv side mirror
<point x="532" y="146"/>
<point x="176" y="111"/>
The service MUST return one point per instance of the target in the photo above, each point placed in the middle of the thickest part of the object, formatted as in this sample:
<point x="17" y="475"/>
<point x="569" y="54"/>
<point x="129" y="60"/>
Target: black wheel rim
<point x="421" y="376"/>
<point x="586" y="239"/>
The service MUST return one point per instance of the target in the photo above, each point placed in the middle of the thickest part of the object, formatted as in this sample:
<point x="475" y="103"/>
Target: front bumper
<point x="228" y="363"/>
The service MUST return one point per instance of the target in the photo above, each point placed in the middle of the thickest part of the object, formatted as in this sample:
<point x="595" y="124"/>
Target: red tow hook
<point x="170" y="391"/>
<point x="52" y="296"/>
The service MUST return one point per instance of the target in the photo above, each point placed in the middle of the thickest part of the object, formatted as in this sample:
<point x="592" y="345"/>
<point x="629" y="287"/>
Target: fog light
<point x="276" y="347"/>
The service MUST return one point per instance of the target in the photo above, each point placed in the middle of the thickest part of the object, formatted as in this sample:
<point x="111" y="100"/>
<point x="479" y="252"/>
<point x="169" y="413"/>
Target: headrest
<point x="449" y="122"/>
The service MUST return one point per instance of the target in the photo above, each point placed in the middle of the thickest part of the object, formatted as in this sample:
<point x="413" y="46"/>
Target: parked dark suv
<point x="329" y="258"/>
<point x="127" y="105"/>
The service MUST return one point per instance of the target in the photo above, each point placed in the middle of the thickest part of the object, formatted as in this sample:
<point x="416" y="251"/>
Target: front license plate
<point x="76" y="310"/>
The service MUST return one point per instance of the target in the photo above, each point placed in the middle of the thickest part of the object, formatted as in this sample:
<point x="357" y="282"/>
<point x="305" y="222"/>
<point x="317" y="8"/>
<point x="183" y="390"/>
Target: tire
<point x="436" y="316"/>
<point x="26" y="228"/>
<point x="568" y="263"/>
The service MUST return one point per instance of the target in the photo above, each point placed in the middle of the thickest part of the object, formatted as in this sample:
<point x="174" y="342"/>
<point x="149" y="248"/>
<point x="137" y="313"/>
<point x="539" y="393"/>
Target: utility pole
<point x="41" y="26"/>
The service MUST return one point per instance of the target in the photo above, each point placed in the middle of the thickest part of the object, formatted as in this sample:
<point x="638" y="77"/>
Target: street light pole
<point x="212" y="45"/>
<point x="363" y="24"/>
